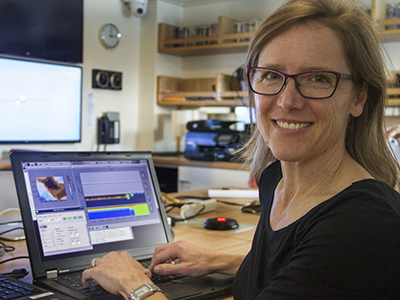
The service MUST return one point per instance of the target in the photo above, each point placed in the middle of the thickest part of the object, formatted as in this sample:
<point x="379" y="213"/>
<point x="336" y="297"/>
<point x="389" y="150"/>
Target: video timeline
<point x="116" y="206"/>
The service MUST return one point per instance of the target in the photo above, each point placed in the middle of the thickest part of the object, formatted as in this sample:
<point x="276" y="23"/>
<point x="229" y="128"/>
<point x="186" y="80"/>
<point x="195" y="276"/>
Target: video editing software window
<point x="88" y="205"/>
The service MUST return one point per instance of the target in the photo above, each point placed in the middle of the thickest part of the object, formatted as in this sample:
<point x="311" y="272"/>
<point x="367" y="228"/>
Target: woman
<point x="330" y="223"/>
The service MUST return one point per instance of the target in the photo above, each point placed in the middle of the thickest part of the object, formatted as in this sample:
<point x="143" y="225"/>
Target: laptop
<point x="15" y="289"/>
<point x="76" y="206"/>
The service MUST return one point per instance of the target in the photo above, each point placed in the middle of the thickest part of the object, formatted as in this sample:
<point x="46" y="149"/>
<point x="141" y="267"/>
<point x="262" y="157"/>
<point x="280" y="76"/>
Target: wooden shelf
<point x="393" y="102"/>
<point x="390" y="92"/>
<point x="378" y="14"/>
<point x="393" y="91"/>
<point x="224" y="40"/>
<point x="222" y="90"/>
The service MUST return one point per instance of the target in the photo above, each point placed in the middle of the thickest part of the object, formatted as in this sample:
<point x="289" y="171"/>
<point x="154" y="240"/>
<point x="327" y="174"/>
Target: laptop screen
<point x="81" y="207"/>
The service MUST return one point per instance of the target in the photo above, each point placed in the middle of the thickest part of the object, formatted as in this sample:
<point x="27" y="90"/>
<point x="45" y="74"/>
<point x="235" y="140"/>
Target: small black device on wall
<point x="106" y="80"/>
<point x="108" y="128"/>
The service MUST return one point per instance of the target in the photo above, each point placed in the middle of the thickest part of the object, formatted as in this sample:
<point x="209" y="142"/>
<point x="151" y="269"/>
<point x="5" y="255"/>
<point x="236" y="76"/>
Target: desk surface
<point x="231" y="242"/>
<point x="182" y="161"/>
<point x="5" y="164"/>
<point x="170" y="161"/>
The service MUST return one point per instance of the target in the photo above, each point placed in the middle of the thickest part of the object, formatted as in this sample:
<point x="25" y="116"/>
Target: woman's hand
<point x="189" y="260"/>
<point x="118" y="273"/>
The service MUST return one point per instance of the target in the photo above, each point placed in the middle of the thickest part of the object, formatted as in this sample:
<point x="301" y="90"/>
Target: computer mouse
<point x="221" y="223"/>
<point x="252" y="207"/>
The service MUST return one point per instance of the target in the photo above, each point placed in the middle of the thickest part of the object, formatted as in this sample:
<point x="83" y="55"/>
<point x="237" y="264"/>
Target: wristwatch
<point x="143" y="291"/>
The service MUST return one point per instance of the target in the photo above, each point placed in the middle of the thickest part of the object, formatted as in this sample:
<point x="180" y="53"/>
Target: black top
<point x="347" y="247"/>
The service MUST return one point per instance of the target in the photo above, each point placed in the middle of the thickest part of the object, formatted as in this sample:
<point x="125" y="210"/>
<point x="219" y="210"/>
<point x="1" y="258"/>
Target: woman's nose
<point x="290" y="98"/>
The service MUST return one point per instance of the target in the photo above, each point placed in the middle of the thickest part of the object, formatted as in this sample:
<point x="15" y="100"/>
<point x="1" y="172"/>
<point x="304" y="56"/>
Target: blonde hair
<point x="365" y="136"/>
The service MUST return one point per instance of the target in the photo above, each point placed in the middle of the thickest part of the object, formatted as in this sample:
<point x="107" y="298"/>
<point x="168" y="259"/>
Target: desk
<point x="230" y="242"/>
<point x="182" y="161"/>
<point x="169" y="161"/>
<point x="224" y="241"/>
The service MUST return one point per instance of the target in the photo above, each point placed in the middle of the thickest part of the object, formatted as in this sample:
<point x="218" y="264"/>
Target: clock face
<point x="110" y="36"/>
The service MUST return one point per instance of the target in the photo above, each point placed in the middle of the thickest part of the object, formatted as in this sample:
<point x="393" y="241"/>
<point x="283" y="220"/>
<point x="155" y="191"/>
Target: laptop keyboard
<point x="157" y="279"/>
<point x="74" y="281"/>
<point x="13" y="289"/>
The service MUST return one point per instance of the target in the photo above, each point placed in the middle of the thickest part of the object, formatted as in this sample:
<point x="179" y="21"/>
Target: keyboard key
<point x="11" y="296"/>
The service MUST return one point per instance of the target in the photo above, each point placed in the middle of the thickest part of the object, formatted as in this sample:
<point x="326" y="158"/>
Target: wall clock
<point x="109" y="36"/>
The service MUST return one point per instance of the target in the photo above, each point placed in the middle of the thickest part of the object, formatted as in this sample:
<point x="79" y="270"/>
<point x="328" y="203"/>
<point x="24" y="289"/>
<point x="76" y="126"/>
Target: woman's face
<point x="296" y="128"/>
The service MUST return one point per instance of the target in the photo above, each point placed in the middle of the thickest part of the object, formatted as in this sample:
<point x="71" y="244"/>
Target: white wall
<point x="166" y="65"/>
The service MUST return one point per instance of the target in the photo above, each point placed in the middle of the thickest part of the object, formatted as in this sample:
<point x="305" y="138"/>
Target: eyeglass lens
<point x="311" y="84"/>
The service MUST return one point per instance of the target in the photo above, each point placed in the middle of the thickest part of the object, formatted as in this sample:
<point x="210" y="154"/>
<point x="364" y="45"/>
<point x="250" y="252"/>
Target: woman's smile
<point x="291" y="125"/>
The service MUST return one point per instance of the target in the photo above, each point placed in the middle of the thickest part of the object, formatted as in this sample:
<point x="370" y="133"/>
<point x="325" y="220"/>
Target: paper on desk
<point x="233" y="193"/>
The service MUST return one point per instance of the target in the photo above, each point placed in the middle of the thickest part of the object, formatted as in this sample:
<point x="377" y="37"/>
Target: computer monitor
<point x="40" y="101"/>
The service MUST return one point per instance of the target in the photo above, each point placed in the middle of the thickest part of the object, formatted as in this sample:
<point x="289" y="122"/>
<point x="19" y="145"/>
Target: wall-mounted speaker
<point x="106" y="80"/>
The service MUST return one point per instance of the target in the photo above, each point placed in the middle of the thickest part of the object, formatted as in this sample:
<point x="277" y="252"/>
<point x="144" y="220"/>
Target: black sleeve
<point x="350" y="251"/>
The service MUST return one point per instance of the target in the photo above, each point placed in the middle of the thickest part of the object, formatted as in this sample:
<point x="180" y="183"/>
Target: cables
<point x="229" y="203"/>
<point x="13" y="258"/>
<point x="11" y="239"/>
<point x="17" y="273"/>
<point x="11" y="222"/>
<point x="6" y="248"/>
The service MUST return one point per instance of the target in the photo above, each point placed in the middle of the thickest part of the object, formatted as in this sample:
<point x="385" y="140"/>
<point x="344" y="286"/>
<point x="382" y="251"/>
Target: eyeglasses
<point x="312" y="85"/>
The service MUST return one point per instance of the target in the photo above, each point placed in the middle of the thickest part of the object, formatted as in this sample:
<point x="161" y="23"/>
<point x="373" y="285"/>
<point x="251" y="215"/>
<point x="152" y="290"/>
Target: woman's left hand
<point x="118" y="273"/>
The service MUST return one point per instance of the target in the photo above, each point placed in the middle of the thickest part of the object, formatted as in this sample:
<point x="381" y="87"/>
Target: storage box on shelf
<point x="387" y="29"/>
<point x="222" y="90"/>
<point x="226" y="36"/>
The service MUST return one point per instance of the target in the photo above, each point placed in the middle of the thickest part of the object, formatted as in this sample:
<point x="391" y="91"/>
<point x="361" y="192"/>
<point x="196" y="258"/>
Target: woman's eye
<point x="272" y="76"/>
<point x="321" y="78"/>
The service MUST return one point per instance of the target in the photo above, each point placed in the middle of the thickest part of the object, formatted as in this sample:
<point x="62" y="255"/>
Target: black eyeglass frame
<point x="294" y="76"/>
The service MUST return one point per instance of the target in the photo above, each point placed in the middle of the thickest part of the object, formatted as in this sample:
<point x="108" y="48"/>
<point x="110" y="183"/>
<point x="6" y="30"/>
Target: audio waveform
<point x="110" y="197"/>
<point x="114" y="200"/>
<point x="118" y="211"/>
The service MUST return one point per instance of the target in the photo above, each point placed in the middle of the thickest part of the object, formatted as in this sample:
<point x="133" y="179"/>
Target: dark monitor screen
<point x="45" y="29"/>
<point x="41" y="102"/>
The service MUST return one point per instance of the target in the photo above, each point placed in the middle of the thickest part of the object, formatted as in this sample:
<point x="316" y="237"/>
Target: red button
<point x="221" y="219"/>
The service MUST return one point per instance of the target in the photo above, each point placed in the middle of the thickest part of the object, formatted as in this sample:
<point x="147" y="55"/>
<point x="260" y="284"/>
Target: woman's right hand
<point x="189" y="260"/>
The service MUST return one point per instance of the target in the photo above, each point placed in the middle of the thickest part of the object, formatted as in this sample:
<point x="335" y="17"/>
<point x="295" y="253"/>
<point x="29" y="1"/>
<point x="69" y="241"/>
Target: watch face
<point x="110" y="36"/>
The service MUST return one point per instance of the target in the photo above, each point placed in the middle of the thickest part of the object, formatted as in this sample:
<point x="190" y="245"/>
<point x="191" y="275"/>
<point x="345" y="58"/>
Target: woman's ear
<point x="361" y="98"/>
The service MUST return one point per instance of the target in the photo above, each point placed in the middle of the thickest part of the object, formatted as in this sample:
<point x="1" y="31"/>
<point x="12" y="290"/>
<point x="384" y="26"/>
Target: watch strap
<point x="143" y="291"/>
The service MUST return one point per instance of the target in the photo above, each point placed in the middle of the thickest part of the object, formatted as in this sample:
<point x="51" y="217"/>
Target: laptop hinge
<point x="51" y="274"/>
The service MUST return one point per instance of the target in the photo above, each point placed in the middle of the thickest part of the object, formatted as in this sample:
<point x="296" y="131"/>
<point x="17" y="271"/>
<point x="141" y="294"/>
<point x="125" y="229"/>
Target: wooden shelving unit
<point x="222" y="90"/>
<point x="226" y="40"/>
<point x="393" y="101"/>
<point x="393" y="91"/>
<point x="378" y="14"/>
<point x="218" y="91"/>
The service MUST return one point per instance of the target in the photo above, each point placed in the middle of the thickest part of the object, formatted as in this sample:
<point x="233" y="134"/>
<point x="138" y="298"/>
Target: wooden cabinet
<point x="221" y="37"/>
<point x="192" y="175"/>
<point x="222" y="90"/>
<point x="197" y="178"/>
